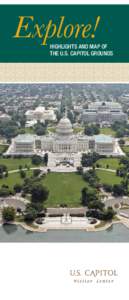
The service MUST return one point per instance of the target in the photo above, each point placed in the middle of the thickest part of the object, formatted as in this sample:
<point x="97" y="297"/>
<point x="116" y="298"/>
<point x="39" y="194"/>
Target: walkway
<point x="15" y="201"/>
<point x="124" y="221"/>
<point x="108" y="170"/>
<point x="60" y="169"/>
<point x="116" y="200"/>
<point x="73" y="223"/>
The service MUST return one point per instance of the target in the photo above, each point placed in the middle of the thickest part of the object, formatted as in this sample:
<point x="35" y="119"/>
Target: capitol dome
<point x="64" y="127"/>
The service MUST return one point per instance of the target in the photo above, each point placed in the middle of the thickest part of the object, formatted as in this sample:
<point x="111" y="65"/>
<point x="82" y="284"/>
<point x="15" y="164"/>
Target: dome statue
<point x="64" y="127"/>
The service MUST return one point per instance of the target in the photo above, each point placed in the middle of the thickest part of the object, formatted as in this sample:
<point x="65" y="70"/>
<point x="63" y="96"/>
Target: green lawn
<point x="14" y="163"/>
<point x="64" y="188"/>
<point x="13" y="178"/>
<point x="125" y="149"/>
<point x="51" y="129"/>
<point x="112" y="162"/>
<point x="107" y="177"/>
<point x="29" y="130"/>
<point x="107" y="130"/>
<point x="78" y="129"/>
<point x="3" y="148"/>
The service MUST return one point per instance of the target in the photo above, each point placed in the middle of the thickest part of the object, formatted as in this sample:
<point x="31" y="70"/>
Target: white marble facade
<point x="63" y="143"/>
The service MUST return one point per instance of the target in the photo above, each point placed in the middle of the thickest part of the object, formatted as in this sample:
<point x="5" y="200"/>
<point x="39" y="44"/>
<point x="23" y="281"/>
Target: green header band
<point x="64" y="33"/>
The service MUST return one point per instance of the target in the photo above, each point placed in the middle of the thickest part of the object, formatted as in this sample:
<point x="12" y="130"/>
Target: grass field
<point x="125" y="149"/>
<point x="107" y="177"/>
<point x="51" y="129"/>
<point x="29" y="130"/>
<point x="3" y="148"/>
<point x="64" y="188"/>
<point x="113" y="163"/>
<point x="14" y="163"/>
<point x="78" y="129"/>
<point x="107" y="130"/>
<point x="13" y="178"/>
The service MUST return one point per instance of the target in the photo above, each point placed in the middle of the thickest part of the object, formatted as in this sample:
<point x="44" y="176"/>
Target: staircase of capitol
<point x="53" y="157"/>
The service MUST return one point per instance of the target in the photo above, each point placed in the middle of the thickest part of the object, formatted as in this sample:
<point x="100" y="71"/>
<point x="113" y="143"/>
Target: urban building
<point x="41" y="114"/>
<point x="103" y="112"/>
<point x="4" y="117"/>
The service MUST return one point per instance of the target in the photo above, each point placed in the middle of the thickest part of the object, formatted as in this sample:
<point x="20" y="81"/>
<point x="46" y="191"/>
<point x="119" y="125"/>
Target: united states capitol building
<point x="63" y="145"/>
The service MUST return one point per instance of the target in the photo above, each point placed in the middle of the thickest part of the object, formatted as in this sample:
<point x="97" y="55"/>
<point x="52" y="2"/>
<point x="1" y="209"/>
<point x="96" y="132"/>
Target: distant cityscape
<point x="87" y="102"/>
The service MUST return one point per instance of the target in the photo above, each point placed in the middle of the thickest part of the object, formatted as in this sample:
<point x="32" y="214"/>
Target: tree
<point x="39" y="193"/>
<point x="118" y="124"/>
<point x="45" y="158"/>
<point x="20" y="117"/>
<point x="36" y="160"/>
<point x="91" y="177"/>
<point x="17" y="187"/>
<point x="30" y="214"/>
<point x="80" y="170"/>
<point x="4" y="192"/>
<point x="28" y="184"/>
<point x="22" y="174"/>
<point x="3" y="168"/>
<point x="121" y="172"/>
<point x="8" y="214"/>
<point x="88" y="131"/>
<point x="88" y="196"/>
<point x="88" y="159"/>
<point x="118" y="190"/>
<point x="91" y="130"/>
<point x="8" y="129"/>
<point x="109" y="213"/>
<point x="120" y="133"/>
<point x="36" y="172"/>
<point x="40" y="129"/>
<point x="98" y="165"/>
<point x="6" y="174"/>
<point x="97" y="204"/>
<point x="108" y="188"/>
<point x="38" y="206"/>
<point x="71" y="116"/>
<point x="22" y="120"/>
<point x="121" y="142"/>
<point x="84" y="198"/>
<point x="105" y="214"/>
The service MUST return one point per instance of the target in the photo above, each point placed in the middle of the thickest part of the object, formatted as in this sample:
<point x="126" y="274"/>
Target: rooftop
<point x="102" y="138"/>
<point x="25" y="138"/>
<point x="105" y="103"/>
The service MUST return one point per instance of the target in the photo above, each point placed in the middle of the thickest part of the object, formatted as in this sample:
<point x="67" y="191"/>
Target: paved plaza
<point x="112" y="201"/>
<point x="67" y="223"/>
<point x="16" y="202"/>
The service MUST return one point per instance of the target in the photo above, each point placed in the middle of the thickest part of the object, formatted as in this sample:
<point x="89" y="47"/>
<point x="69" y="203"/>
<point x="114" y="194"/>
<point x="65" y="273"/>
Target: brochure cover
<point x="64" y="150"/>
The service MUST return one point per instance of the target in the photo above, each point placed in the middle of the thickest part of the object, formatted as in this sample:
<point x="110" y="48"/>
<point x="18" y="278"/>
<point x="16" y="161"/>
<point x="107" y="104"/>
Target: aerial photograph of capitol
<point x="64" y="161"/>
